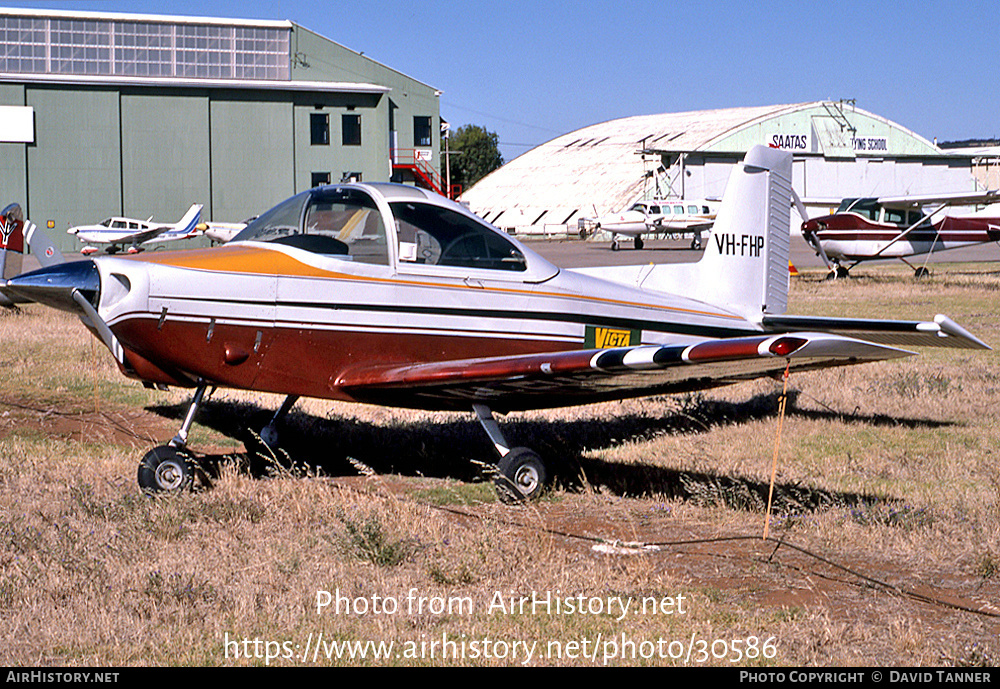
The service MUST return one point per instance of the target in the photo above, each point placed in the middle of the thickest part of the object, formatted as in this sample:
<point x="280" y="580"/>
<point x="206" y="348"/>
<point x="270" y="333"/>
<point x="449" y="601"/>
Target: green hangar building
<point x="143" y="115"/>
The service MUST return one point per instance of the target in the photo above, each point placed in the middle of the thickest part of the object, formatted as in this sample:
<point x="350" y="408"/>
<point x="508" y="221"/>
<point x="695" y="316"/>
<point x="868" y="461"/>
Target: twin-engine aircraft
<point x="676" y="217"/>
<point x="131" y="234"/>
<point x="392" y="295"/>
<point x="866" y="229"/>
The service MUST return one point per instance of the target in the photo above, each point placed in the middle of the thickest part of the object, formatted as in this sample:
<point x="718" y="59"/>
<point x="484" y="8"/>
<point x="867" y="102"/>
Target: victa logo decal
<point x="605" y="338"/>
<point x="739" y="245"/>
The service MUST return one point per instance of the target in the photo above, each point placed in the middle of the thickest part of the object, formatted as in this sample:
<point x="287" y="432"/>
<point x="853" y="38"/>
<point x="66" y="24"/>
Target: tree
<point x="475" y="153"/>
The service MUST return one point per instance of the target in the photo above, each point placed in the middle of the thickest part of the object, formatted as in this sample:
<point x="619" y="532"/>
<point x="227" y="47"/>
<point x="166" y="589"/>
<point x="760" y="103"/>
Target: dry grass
<point x="887" y="513"/>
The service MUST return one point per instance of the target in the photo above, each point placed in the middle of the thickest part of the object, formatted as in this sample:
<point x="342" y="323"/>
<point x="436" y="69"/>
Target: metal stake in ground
<point x="777" y="443"/>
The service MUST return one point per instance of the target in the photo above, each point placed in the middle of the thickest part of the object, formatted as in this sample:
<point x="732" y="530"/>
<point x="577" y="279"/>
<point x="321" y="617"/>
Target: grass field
<point x="883" y="549"/>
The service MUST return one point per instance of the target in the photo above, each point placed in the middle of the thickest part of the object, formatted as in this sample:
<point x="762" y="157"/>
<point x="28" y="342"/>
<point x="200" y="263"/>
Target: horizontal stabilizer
<point x="941" y="332"/>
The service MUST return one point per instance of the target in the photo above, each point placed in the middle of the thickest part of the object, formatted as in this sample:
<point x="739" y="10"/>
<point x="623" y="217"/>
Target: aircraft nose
<point x="55" y="285"/>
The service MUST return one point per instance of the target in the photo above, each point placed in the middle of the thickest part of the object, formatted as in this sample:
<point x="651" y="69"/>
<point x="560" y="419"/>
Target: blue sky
<point x="531" y="71"/>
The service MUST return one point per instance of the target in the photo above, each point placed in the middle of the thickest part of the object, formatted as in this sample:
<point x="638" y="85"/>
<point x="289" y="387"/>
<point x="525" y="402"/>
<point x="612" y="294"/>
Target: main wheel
<point x="614" y="245"/>
<point x="165" y="469"/>
<point x="695" y="244"/>
<point x="921" y="272"/>
<point x="522" y="476"/>
<point x="638" y="243"/>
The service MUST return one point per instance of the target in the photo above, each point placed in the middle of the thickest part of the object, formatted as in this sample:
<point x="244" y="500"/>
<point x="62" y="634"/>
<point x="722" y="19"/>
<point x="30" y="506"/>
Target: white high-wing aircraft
<point x="673" y="216"/>
<point x="389" y="294"/>
<point x="120" y="233"/>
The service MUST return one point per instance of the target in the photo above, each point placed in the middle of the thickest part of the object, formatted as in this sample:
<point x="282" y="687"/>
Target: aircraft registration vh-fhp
<point x="391" y="295"/>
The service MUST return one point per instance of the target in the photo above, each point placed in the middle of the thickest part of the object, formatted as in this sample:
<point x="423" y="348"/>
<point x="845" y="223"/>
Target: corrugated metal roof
<point x="597" y="169"/>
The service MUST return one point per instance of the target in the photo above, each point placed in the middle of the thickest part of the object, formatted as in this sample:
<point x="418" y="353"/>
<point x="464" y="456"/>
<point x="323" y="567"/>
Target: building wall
<point x="74" y="166"/>
<point x="370" y="158"/>
<point x="165" y="154"/>
<point x="13" y="156"/>
<point x="153" y="150"/>
<point x="253" y="155"/>
<point x="318" y="59"/>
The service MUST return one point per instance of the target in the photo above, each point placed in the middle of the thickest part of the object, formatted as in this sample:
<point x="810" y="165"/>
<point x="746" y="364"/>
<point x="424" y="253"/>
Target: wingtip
<point x="953" y="329"/>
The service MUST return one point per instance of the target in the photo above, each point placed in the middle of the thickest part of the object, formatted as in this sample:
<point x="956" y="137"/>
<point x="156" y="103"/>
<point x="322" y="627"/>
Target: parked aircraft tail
<point x="15" y="234"/>
<point x="744" y="268"/>
<point x="187" y="224"/>
<point x="185" y="227"/>
<point x="11" y="241"/>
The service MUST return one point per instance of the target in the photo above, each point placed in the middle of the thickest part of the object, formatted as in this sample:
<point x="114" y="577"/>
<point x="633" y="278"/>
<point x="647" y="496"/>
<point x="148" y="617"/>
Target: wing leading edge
<point x="572" y="377"/>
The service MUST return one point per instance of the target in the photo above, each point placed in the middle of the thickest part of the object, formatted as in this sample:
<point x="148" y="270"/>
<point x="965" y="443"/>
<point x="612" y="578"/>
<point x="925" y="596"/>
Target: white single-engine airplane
<point x="392" y="295"/>
<point x="677" y="217"/>
<point x="119" y="233"/>
<point x="866" y="229"/>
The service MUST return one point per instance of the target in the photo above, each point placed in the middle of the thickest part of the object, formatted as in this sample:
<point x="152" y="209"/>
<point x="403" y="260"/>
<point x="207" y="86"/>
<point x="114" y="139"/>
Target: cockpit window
<point x="433" y="235"/>
<point x="866" y="208"/>
<point x="334" y="221"/>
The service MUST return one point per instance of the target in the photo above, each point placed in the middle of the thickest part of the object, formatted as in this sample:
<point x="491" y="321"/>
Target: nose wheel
<point x="170" y="468"/>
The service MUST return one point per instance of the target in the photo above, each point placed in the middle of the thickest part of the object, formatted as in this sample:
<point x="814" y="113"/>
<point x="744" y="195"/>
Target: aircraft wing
<point x="137" y="237"/>
<point x="981" y="198"/>
<point x="572" y="377"/>
<point x="941" y="332"/>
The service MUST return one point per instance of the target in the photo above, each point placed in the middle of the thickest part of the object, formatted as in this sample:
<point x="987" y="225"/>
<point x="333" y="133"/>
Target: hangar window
<point x="319" y="129"/>
<point x="351" y="130"/>
<point x="433" y="235"/>
<point x="319" y="179"/>
<point x="422" y="135"/>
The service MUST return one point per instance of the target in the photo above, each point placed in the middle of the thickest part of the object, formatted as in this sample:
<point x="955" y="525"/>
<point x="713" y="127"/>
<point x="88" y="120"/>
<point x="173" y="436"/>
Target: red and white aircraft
<point x="16" y="234"/>
<point x="392" y="295"/>
<point x="866" y="229"/>
<point x="677" y="217"/>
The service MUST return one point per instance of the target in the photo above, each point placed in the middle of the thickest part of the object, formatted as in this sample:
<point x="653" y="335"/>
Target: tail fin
<point x="15" y="234"/>
<point x="745" y="265"/>
<point x="186" y="225"/>
<point x="11" y="241"/>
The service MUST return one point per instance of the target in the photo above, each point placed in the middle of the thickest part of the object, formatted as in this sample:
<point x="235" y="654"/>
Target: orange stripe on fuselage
<point x="237" y="259"/>
<point x="259" y="261"/>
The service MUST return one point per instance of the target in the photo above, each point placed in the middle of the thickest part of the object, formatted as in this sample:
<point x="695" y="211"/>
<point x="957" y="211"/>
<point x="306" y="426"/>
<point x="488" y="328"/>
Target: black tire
<point x="695" y="244"/>
<point x="921" y="272"/>
<point x="522" y="476"/>
<point x="614" y="245"/>
<point x="639" y="243"/>
<point x="165" y="469"/>
<point x="837" y="273"/>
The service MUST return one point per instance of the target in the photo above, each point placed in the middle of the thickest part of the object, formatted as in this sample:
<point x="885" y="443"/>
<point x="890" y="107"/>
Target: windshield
<point x="334" y="221"/>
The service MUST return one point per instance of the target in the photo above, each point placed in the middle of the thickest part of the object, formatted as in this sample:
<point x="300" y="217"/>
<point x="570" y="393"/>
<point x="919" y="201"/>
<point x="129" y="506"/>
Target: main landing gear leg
<point x="168" y="468"/>
<point x="521" y="474"/>
<point x="269" y="433"/>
